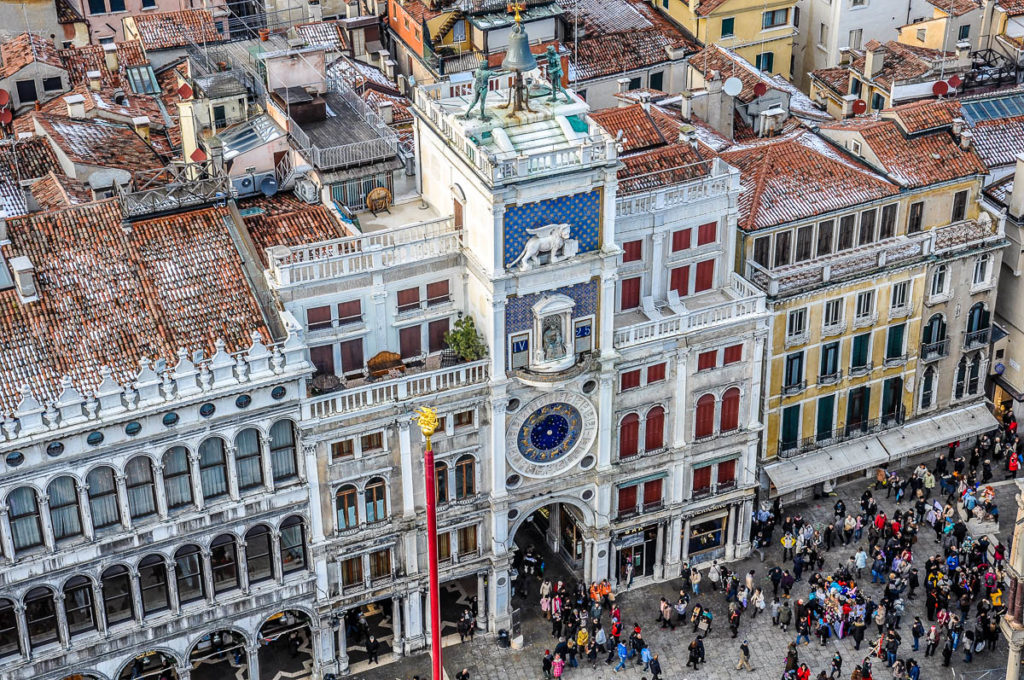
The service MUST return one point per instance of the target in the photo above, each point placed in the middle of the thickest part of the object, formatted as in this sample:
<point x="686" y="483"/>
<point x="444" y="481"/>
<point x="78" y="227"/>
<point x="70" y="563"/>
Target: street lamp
<point x="426" y="418"/>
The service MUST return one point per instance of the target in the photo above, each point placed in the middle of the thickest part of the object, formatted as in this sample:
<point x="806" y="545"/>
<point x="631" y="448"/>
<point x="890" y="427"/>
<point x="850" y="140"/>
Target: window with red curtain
<point x="629" y="431"/>
<point x="632" y="251"/>
<point x="730" y="409"/>
<point x="631" y="293"/>
<point x="726" y="474"/>
<point x="705" y="276"/>
<point x="707" y="360"/>
<point x="679" y="280"/>
<point x="680" y="240"/>
<point x="655" y="373"/>
<point x="630" y="380"/>
<point x="701" y="480"/>
<point x="707" y="233"/>
<point x="654" y="432"/>
<point x="652" y="493"/>
<point x="627" y="500"/>
<point x="705" y="416"/>
<point x="733" y="353"/>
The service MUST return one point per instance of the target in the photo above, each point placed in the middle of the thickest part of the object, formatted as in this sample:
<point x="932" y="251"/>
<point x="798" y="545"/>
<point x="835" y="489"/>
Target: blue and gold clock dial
<point x="550" y="432"/>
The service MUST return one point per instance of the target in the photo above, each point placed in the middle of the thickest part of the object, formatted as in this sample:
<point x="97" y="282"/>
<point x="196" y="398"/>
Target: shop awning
<point x="939" y="430"/>
<point x="830" y="462"/>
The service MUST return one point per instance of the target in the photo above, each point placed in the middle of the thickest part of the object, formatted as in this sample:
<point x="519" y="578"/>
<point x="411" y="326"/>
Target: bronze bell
<point x="519" y="57"/>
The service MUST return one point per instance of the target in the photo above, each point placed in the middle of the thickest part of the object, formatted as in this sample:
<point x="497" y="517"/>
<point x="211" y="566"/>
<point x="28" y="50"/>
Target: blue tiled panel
<point x="518" y="310"/>
<point x="582" y="211"/>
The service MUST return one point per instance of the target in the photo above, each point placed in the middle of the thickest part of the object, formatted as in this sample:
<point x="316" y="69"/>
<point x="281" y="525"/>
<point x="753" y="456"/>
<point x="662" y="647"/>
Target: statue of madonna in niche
<point x="554" y="346"/>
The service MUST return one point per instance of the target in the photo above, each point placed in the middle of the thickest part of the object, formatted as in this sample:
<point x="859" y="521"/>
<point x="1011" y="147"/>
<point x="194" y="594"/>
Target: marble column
<point x="685" y="539"/>
<point x="675" y="529"/>
<point x="98" y="608"/>
<point x="136" y="587"/>
<point x="160" y="491"/>
<point x="407" y="468"/>
<point x="658" y="289"/>
<point x="275" y="551"/>
<point x="304" y="451"/>
<point x="500" y="591"/>
<point x="414" y="617"/>
<point x="497" y="434"/>
<point x="588" y="560"/>
<point x="679" y="402"/>
<point x="85" y="511"/>
<point x="265" y="462"/>
<point x="230" y="454"/>
<point x="396" y="625"/>
<point x="62" y="620"/>
<point x="659" y="553"/>
<point x="211" y="595"/>
<point x="342" y="650"/>
<point x="481" y="599"/>
<point x="5" y="533"/>
<point x="730" y="536"/>
<point x="197" y="482"/>
<point x="252" y="660"/>
<point x="240" y="565"/>
<point x="172" y="587"/>
<point x="606" y="416"/>
<point x="1013" y="663"/>
<point x="26" y="647"/>
<point x="46" y="523"/>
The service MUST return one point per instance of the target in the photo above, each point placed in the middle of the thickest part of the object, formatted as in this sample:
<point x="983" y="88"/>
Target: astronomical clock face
<point x="551" y="433"/>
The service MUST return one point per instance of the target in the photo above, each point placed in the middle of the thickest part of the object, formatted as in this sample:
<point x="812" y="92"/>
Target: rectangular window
<point x="635" y="83"/>
<point x="380" y="564"/>
<point x="97" y="7"/>
<point x="833" y="314"/>
<point x="762" y="251"/>
<point x="794" y="374"/>
<point x="148" y="4"/>
<point x="782" y="248"/>
<point x="865" y="304"/>
<point x="680" y="240"/>
<point x="371" y="442"/>
<point x="825" y="232"/>
<point x="823" y="34"/>
<point x="888" y="226"/>
<point x="829" y="359"/>
<point x="652" y="494"/>
<point x="861" y="350"/>
<point x="318" y="318"/>
<point x="774" y="17"/>
<point x="732" y="354"/>
<point x="630" y="293"/>
<point x="707" y="233"/>
<point x="116" y="5"/>
<point x="916" y="217"/>
<point x="437" y="293"/>
<point x="632" y="251"/>
<point x="520" y="351"/>
<point x="343" y="449"/>
<point x="436" y="330"/>
<point x="728" y="27"/>
<point x="804" y="244"/>
<point x="900" y="295"/>
<point x="352" y="572"/>
<point x="790" y="427"/>
<point x="964" y="32"/>
<point x="655" y="373"/>
<point x="26" y="91"/>
<point x="765" y="61"/>
<point x="627" y="500"/>
<point x="408" y="299"/>
<point x="846" y="226"/>
<point x="352" y="356"/>
<point x="856" y="36"/>
<point x="959" y="205"/>
<point x="657" y="81"/>
<point x="877" y="102"/>
<point x="52" y="84"/>
<point x="894" y="343"/>
<point x="629" y="380"/>
<point x="701" y="480"/>
<point x="826" y="417"/>
<point x="350" y="312"/>
<point x="444" y="547"/>
<point x="981" y="269"/>
<point x="705" y="276"/>
<point x="856" y="86"/>
<point x="463" y="419"/>
<point x="726" y="474"/>
<point x="796" y="323"/>
<point x="323" y="359"/>
<point x="707" y="360"/>
<point x="867" y="227"/>
<point x="410" y="343"/>
<point x="679" y="280"/>
<point x="467" y="541"/>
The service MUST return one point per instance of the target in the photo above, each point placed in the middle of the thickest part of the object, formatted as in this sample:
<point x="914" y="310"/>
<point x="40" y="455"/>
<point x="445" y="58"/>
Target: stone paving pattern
<point x="485" y="660"/>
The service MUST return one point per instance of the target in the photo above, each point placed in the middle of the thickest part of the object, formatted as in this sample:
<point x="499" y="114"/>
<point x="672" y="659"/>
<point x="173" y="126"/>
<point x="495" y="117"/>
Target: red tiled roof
<point x="97" y="142"/>
<point x="56" y="191"/>
<point x="901" y="62"/>
<point x="323" y="33"/>
<point x="959" y="7"/>
<point x="836" y="79"/>
<point x="419" y="11"/>
<point x="286" y="221"/>
<point x="728" y="64"/>
<point x="1012" y="7"/>
<point x="22" y="50"/>
<point x="654" y="168"/>
<point x="22" y="159"/>
<point x="109" y="296"/>
<point x="999" y="140"/>
<point x="606" y="55"/>
<point x="101" y="104"/>
<point x="639" y="130"/>
<point x="795" y="177"/>
<point x="400" y="106"/>
<point x="926" y="114"/>
<point x="80" y="60"/>
<point x="164" y="30"/>
<point x="67" y="13"/>
<point x="706" y="7"/>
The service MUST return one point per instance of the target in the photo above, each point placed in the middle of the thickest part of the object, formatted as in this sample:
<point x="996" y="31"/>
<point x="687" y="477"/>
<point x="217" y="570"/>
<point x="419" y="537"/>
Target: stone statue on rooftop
<point x="481" y="80"/>
<point x="555" y="74"/>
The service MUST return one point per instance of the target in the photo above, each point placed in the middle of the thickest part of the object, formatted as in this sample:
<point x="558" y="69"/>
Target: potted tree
<point x="464" y="341"/>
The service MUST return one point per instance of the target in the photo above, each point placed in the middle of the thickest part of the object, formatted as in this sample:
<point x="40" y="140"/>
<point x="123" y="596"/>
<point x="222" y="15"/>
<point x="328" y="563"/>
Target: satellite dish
<point x="5" y="98"/>
<point x="940" y="88"/>
<point x="955" y="82"/>
<point x="760" y="89"/>
<point x="860" y="106"/>
<point x="6" y="116"/>
<point x="733" y="86"/>
<point x="268" y="187"/>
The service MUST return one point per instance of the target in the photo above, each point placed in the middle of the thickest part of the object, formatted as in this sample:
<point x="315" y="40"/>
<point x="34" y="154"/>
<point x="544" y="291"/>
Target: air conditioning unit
<point x="255" y="183"/>
<point x="307" y="191"/>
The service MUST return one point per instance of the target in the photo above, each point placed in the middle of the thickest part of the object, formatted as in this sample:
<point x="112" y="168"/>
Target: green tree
<point x="465" y="341"/>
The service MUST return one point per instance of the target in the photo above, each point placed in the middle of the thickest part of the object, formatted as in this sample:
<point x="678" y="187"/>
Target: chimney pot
<point x="76" y="106"/>
<point x="95" y="82"/>
<point x="386" y="112"/>
<point x="966" y="138"/>
<point x="958" y="126"/>
<point x="110" y="57"/>
<point x="141" y="125"/>
<point x="623" y="84"/>
<point x="874" y="60"/>
<point x="24" y="277"/>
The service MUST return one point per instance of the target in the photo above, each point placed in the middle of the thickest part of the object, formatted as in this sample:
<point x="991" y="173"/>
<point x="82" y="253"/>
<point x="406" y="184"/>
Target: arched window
<point x="974" y="377"/>
<point x="247" y="460"/>
<point x="961" y="378"/>
<point x="654" y="429"/>
<point x="224" y="562"/>
<point x="259" y="563"/>
<point x="64" y="515"/>
<point x="293" y="545"/>
<point x="153" y="584"/>
<point x="9" y="640"/>
<point x="928" y="388"/>
<point x="440" y="482"/>
<point x="177" y="478"/>
<point x="189" y="574"/>
<point x="78" y="605"/>
<point x="282" y="450"/>
<point x="117" y="595"/>
<point x="705" y="425"/>
<point x="141" y="495"/>
<point x="465" y="477"/>
<point x="730" y="418"/>
<point x="934" y="330"/>
<point x="629" y="434"/>
<point x="348" y="507"/>
<point x="103" y="498"/>
<point x="977" y="318"/>
<point x="375" y="497"/>
<point x="213" y="468"/>
<point x="938" y="281"/>
<point x="26" y="530"/>
<point x="40" y="617"/>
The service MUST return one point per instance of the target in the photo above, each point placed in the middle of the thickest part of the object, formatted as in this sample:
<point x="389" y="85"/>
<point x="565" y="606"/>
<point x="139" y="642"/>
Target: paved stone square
<point x="485" y="660"/>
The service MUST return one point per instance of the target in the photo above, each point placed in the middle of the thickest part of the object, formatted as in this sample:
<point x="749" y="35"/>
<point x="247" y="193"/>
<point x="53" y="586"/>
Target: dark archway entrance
<point x="219" y="655"/>
<point x="148" y="666"/>
<point x="286" y="646"/>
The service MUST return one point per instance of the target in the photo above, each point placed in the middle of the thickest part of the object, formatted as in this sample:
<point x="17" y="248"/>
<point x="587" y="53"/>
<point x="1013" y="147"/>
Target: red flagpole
<point x="435" y="604"/>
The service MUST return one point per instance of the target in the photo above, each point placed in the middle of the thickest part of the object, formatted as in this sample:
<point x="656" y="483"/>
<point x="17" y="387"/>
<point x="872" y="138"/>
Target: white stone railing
<point x="749" y="302"/>
<point x="155" y="387"/>
<point x="388" y="391"/>
<point x="718" y="183"/>
<point x="360" y="254"/>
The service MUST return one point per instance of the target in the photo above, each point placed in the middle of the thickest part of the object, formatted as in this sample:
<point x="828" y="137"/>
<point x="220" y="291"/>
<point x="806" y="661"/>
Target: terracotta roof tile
<point x="323" y="33"/>
<point x="97" y="142"/>
<point x="999" y="140"/>
<point x="165" y="30"/>
<point x="59" y="191"/>
<point x="959" y="7"/>
<point x="1001" y="190"/>
<point x="795" y="177"/>
<point x="356" y="74"/>
<point x="20" y="160"/>
<point x="706" y="7"/>
<point x="400" y="106"/>
<point x="728" y="64"/>
<point x="102" y="104"/>
<point x="654" y="168"/>
<point x="67" y="13"/>
<point x="606" y="55"/>
<point x="24" y="49"/>
<point x="926" y="114"/>
<point x="902" y="62"/>
<point x="1012" y="7"/>
<point x="419" y="11"/>
<point x="80" y="60"/>
<point x="283" y="220"/>
<point x="109" y="296"/>
<point x="639" y="130"/>
<point x="837" y="79"/>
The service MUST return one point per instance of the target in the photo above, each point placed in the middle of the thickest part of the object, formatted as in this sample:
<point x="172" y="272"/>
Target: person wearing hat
<point x="744" y="657"/>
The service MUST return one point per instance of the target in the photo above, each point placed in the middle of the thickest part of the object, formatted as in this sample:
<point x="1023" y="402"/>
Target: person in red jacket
<point x="803" y="672"/>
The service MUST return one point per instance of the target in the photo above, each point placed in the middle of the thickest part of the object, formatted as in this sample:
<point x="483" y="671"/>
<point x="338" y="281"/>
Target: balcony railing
<point x="794" y="388"/>
<point x="788" y="449"/>
<point x="896" y="360"/>
<point x="935" y="350"/>
<point x="671" y="194"/>
<point x="830" y="378"/>
<point x="976" y="339"/>
<point x="863" y="369"/>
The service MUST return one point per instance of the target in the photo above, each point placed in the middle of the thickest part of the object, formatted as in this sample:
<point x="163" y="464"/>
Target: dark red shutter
<point x="680" y="240"/>
<point x="437" y="292"/>
<point x="632" y="251"/>
<point x="323" y="358"/>
<point x="733" y="353"/>
<point x="726" y="472"/>
<point x="409" y="342"/>
<point x="318" y="317"/>
<point x="630" y="380"/>
<point x="408" y="299"/>
<point x="352" y="356"/>
<point x="655" y="373"/>
<point x="701" y="479"/>
<point x="654" y="432"/>
<point x="730" y="410"/>
<point x="627" y="499"/>
<point x="436" y="332"/>
<point x="707" y="360"/>
<point x="705" y="416"/>
<point x="350" y="312"/>
<point x="707" y="233"/>
<point x="628" y="433"/>
<point x="705" y="276"/>
<point x="652" y="493"/>
<point x="631" y="293"/>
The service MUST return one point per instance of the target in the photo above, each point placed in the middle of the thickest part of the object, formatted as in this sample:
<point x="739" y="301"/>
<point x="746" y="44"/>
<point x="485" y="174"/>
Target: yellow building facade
<point x="761" y="32"/>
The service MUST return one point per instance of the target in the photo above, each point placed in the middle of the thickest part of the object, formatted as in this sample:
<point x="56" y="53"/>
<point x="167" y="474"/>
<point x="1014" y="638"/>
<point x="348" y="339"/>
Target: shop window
<point x="706" y="536"/>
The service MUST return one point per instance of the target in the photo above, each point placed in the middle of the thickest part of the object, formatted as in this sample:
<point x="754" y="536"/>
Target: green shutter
<point x="826" y="411"/>
<point x="861" y="344"/>
<point x="894" y="347"/>
<point x="790" y="426"/>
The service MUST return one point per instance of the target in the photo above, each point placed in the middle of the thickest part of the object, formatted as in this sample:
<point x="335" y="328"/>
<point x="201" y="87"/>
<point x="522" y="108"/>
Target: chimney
<point x="686" y="105"/>
<point x="110" y="57"/>
<point x="1016" y="207"/>
<point x="623" y="84"/>
<point x="24" y="277"/>
<point x="386" y="112"/>
<point x="316" y="12"/>
<point x="95" y="82"/>
<point x="844" y="56"/>
<point x="76" y="106"/>
<point x="720" y="106"/>
<point x="389" y="68"/>
<point x="963" y="53"/>
<point x="645" y="100"/>
<point x="141" y="125"/>
<point x="958" y="126"/>
<point x="351" y="10"/>
<point x="966" y="137"/>
<point x="848" y="101"/>
<point x="31" y="203"/>
<point x="874" y="59"/>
